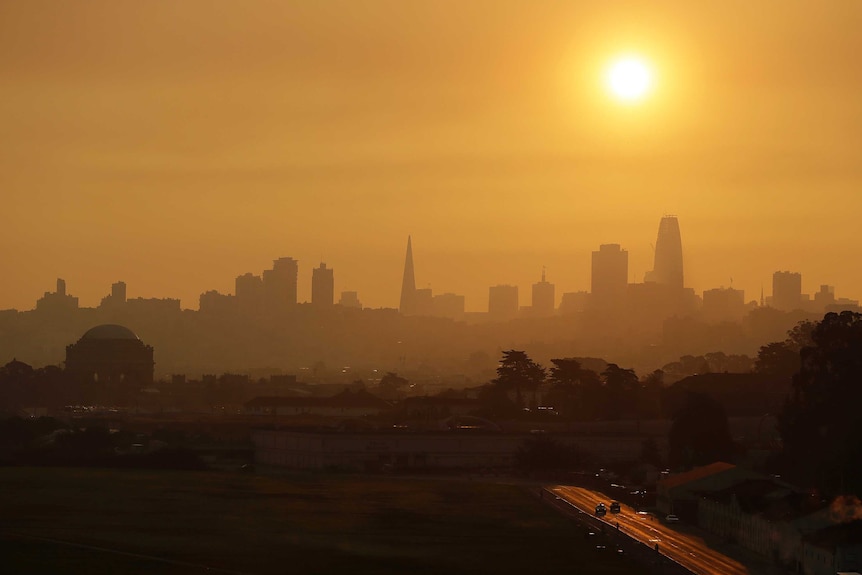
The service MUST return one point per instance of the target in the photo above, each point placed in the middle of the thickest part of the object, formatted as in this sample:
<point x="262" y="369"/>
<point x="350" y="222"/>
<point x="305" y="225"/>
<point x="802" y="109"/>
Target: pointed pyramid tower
<point x="408" y="283"/>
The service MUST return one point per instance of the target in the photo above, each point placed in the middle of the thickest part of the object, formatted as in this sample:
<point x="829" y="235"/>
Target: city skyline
<point x="285" y="278"/>
<point x="178" y="146"/>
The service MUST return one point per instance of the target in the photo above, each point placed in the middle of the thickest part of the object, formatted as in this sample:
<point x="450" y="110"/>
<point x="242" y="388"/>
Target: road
<point x="688" y="550"/>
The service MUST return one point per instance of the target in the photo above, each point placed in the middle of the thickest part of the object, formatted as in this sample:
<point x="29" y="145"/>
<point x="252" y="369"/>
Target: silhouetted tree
<point x="820" y="424"/>
<point x="654" y="379"/>
<point x="621" y="392"/>
<point x="519" y="374"/>
<point x="575" y="392"/>
<point x="802" y="334"/>
<point x="565" y="394"/>
<point x="778" y="359"/>
<point x="781" y="359"/>
<point x="651" y="392"/>
<point x="565" y="372"/>
<point x="699" y="434"/>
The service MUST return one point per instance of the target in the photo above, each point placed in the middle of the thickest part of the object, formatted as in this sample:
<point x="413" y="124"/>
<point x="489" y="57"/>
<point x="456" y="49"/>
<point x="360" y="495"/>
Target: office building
<point x="322" y="286"/>
<point x="448" y="305"/>
<point x="787" y="290"/>
<point x="249" y="293"/>
<point x="279" y="285"/>
<point x="350" y="299"/>
<point x="723" y="304"/>
<point x="543" y="298"/>
<point x="667" y="267"/>
<point x="502" y="302"/>
<point x="58" y="302"/>
<point x="574" y="302"/>
<point x="610" y="268"/>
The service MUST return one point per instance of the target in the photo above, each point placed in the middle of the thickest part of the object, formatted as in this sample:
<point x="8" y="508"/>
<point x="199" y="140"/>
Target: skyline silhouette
<point x="278" y="287"/>
<point x="335" y="133"/>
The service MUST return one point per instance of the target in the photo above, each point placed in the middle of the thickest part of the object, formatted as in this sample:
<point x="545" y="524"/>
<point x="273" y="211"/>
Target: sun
<point x="629" y="79"/>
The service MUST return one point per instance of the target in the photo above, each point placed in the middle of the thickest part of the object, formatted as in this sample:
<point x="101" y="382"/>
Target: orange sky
<point x="176" y="145"/>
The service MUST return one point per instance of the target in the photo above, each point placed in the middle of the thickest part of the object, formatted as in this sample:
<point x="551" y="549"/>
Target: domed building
<point x="111" y="355"/>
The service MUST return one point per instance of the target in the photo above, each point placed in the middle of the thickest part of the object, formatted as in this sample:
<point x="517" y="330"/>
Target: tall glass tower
<point x="667" y="268"/>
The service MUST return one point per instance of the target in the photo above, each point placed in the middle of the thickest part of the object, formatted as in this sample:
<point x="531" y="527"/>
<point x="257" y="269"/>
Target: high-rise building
<point x="350" y="299"/>
<point x="116" y="298"/>
<point x="824" y="298"/>
<point x="58" y="301"/>
<point x="214" y="303"/>
<point x="543" y="298"/>
<point x="723" y="304"/>
<point x="118" y="292"/>
<point x="423" y="302"/>
<point x="279" y="284"/>
<point x="667" y="267"/>
<point x="249" y="293"/>
<point x="448" y="305"/>
<point x="502" y="302"/>
<point x="786" y="290"/>
<point x="408" y="283"/>
<point x="610" y="269"/>
<point x="574" y="302"/>
<point x="322" y="286"/>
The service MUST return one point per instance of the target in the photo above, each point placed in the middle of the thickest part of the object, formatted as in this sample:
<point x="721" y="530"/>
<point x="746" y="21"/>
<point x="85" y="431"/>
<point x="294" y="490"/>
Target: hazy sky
<point x="177" y="144"/>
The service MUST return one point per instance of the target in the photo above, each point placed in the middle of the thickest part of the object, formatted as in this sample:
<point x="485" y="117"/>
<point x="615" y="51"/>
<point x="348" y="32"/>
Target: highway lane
<point x="686" y="549"/>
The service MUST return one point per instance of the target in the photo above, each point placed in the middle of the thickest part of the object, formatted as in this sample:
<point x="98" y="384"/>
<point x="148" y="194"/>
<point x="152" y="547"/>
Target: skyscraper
<point x="787" y="290"/>
<point x="249" y="293"/>
<point x="667" y="268"/>
<point x="350" y="299"/>
<point x="408" y="283"/>
<point x="502" y="302"/>
<point x="322" y="286"/>
<point x="543" y="298"/>
<point x="610" y="270"/>
<point x="723" y="304"/>
<point x="279" y="284"/>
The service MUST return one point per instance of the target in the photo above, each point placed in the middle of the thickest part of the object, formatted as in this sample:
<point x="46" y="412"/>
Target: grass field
<point x="182" y="522"/>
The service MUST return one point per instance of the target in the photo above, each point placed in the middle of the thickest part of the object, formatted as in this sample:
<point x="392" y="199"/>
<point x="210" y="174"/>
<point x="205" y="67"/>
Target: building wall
<point x="610" y="269"/>
<point x="502" y="302"/>
<point x="454" y="449"/>
<point x="322" y="286"/>
<point x="787" y="290"/>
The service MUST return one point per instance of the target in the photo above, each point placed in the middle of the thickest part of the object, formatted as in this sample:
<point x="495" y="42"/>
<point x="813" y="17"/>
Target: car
<point x="601" y="509"/>
<point x="615" y="507"/>
<point x="672" y="518"/>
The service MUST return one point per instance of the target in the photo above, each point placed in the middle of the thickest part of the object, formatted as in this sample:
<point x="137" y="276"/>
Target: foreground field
<point x="189" y="522"/>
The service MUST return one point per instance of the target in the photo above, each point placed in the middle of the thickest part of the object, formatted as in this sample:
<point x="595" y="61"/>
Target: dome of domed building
<point x="111" y="358"/>
<point x="109" y="331"/>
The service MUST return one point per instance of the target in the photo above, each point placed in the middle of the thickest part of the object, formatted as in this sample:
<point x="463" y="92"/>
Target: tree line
<point x="575" y="392"/>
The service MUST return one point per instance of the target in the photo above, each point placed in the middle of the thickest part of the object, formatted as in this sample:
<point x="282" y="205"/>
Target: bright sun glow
<point x="629" y="79"/>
